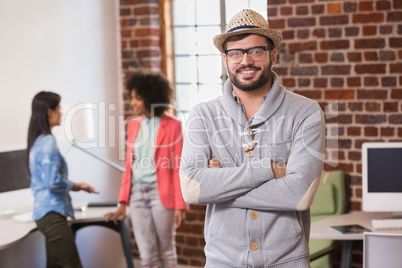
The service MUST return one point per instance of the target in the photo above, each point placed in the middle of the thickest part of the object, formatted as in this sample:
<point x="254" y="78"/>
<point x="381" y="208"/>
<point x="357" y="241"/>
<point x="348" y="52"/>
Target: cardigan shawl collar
<point x="269" y="106"/>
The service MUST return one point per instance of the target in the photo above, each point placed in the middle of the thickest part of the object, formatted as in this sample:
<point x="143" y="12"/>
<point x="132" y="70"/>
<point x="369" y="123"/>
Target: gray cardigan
<point x="252" y="219"/>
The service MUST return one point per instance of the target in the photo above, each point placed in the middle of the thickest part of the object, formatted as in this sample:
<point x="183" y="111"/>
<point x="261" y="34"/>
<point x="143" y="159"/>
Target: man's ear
<point x="225" y="61"/>
<point x="273" y="56"/>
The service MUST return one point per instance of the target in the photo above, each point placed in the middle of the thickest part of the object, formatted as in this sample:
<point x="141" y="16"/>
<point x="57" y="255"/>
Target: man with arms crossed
<point x="254" y="156"/>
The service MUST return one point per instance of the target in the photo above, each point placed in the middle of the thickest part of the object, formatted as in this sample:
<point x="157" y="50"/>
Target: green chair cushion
<point x="325" y="200"/>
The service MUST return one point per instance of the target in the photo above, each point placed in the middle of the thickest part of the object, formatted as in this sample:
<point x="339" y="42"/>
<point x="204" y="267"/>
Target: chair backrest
<point x="382" y="250"/>
<point x="331" y="196"/>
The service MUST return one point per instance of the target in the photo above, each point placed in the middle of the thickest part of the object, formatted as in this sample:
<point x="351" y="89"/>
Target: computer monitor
<point x="382" y="177"/>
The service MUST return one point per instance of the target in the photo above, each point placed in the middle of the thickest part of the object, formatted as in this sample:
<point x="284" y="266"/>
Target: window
<point x="199" y="69"/>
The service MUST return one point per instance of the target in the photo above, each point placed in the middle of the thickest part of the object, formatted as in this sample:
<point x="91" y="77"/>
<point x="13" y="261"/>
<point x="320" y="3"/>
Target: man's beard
<point x="264" y="78"/>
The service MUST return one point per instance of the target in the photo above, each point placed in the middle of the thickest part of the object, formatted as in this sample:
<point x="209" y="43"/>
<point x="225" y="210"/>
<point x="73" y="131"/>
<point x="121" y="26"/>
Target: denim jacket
<point x="49" y="183"/>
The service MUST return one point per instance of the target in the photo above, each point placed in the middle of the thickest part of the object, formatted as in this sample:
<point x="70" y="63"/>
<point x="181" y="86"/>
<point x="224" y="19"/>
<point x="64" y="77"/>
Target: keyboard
<point x="387" y="223"/>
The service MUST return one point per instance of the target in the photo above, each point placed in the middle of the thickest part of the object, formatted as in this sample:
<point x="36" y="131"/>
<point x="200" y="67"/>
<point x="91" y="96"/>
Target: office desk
<point x="12" y="232"/>
<point x="320" y="230"/>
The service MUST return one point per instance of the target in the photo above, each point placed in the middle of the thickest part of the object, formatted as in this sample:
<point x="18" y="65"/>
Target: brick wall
<point x="347" y="55"/>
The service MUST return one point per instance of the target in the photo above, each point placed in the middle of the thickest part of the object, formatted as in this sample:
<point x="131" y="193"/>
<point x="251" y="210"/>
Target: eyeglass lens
<point x="256" y="54"/>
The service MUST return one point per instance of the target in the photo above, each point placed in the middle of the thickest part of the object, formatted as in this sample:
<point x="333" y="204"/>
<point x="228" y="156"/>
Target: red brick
<point x="334" y="8"/>
<point x="395" y="42"/>
<point x="372" y="94"/>
<point x="339" y="94"/>
<point x="396" y="68"/>
<point x="277" y="24"/>
<point x="353" y="81"/>
<point x="319" y="33"/>
<point x="354" y="131"/>
<point x="302" y="46"/>
<point x="370" y="69"/>
<point x="286" y="11"/>
<point x="311" y="94"/>
<point x="396" y="94"/>
<point x="387" y="55"/>
<point x="148" y="10"/>
<point x="336" y="69"/>
<point x="387" y="131"/>
<point x="366" y="6"/>
<point x="303" y="34"/>
<point x="369" y="30"/>
<point x="370" y="119"/>
<point x="370" y="55"/>
<point x="320" y="82"/>
<point x="288" y="82"/>
<point x="301" y="22"/>
<point x="301" y="10"/>
<point x="317" y="9"/>
<point x="125" y="12"/>
<point x="288" y="35"/>
<point x="383" y="5"/>
<point x="400" y="132"/>
<point x="371" y="81"/>
<point x="373" y="107"/>
<point x="394" y="16"/>
<point x="353" y="155"/>
<point x="395" y="119"/>
<point x="370" y="131"/>
<point x="390" y="106"/>
<point x="333" y="45"/>
<point x="355" y="106"/>
<point x="354" y="56"/>
<point x="368" y="18"/>
<point x="334" y="20"/>
<point x="143" y="32"/>
<point x="369" y="43"/>
<point x="272" y="12"/>
<point x="321" y="57"/>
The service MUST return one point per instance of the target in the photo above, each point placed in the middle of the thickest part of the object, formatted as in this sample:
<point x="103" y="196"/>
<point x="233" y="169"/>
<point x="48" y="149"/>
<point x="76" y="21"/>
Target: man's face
<point x="248" y="75"/>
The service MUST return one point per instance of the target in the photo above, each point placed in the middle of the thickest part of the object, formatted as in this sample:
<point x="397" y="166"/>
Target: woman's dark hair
<point x="39" y="124"/>
<point x="153" y="89"/>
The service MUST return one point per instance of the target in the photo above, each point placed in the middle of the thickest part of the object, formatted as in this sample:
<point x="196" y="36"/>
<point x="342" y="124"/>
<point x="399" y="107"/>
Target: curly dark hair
<point x="153" y="89"/>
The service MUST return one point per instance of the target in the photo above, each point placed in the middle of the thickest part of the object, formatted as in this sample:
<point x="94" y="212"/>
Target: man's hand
<point x="214" y="163"/>
<point x="119" y="214"/>
<point x="279" y="170"/>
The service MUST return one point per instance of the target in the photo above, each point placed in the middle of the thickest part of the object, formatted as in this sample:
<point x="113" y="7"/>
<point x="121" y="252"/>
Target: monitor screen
<point x="13" y="175"/>
<point x="382" y="176"/>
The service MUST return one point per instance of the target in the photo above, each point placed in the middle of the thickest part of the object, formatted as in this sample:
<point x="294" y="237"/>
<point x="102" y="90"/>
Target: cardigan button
<point x="254" y="246"/>
<point x="254" y="214"/>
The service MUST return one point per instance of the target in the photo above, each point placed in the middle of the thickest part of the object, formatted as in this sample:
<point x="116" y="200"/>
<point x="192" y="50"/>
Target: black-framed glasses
<point x="255" y="53"/>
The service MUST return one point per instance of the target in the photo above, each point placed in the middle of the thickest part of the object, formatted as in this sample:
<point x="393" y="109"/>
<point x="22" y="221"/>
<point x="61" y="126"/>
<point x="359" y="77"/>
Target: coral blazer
<point x="168" y="146"/>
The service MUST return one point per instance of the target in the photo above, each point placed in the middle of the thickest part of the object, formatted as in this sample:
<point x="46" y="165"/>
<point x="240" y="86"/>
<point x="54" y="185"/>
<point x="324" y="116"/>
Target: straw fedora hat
<point x="247" y="21"/>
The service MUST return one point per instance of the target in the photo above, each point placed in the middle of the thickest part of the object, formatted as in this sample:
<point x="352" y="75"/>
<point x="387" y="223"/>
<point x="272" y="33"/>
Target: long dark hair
<point x="39" y="123"/>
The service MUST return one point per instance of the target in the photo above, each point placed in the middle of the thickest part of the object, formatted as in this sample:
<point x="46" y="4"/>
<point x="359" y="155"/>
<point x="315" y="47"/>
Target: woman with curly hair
<point x="151" y="184"/>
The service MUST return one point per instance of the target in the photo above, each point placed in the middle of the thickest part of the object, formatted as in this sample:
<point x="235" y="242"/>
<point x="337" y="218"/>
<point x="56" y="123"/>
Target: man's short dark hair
<point x="153" y="89"/>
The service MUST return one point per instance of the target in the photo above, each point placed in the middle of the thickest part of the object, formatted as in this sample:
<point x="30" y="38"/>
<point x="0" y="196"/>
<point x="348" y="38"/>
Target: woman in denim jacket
<point x="50" y="186"/>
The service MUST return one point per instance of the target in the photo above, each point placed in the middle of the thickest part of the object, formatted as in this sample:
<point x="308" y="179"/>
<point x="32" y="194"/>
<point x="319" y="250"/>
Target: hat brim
<point x="275" y="36"/>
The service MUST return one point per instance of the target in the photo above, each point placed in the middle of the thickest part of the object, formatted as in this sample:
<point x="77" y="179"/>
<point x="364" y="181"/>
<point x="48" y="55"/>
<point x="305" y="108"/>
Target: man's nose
<point x="246" y="59"/>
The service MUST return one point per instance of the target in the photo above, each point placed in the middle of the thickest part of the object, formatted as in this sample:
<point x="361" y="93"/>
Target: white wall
<point x="71" y="47"/>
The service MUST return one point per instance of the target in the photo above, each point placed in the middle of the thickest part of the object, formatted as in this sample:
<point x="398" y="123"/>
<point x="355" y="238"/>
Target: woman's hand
<point x="178" y="217"/>
<point x="82" y="186"/>
<point x="119" y="214"/>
